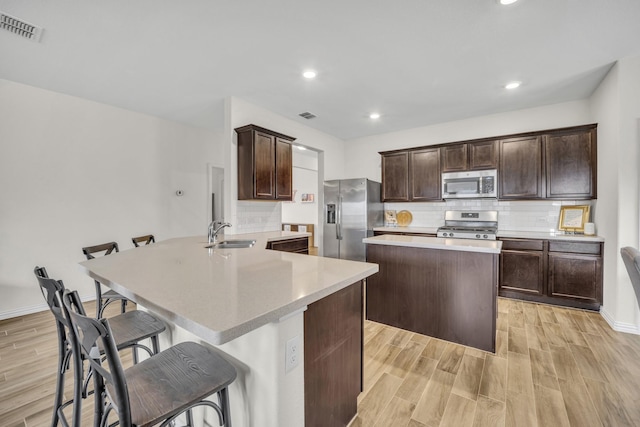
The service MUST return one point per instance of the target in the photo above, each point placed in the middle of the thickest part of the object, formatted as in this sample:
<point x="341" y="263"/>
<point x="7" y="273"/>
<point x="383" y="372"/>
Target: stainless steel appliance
<point x="470" y="184"/>
<point x="470" y="225"/>
<point x="352" y="208"/>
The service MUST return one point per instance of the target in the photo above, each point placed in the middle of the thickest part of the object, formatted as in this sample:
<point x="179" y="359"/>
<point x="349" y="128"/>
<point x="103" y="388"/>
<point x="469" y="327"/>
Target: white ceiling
<point x="417" y="62"/>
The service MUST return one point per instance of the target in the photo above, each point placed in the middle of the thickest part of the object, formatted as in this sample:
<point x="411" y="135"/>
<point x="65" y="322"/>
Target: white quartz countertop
<point x="423" y="230"/>
<point x="557" y="235"/>
<point x="467" y="245"/>
<point x="221" y="294"/>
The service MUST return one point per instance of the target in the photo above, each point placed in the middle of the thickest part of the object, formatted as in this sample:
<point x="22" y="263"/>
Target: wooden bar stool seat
<point x="158" y="389"/>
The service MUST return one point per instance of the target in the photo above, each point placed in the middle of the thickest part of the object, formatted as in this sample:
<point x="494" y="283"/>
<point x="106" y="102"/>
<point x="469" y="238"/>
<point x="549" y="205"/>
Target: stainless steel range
<point x="481" y="225"/>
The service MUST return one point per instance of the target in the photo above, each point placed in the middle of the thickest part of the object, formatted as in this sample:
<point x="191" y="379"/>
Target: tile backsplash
<point x="254" y="217"/>
<point x="536" y="216"/>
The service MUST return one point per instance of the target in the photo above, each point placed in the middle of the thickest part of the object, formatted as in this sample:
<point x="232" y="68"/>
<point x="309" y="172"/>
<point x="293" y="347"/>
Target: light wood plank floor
<point x="28" y="360"/>
<point x="553" y="367"/>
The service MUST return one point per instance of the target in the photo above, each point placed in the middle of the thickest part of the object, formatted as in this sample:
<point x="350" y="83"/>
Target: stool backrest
<point x="107" y="248"/>
<point x="146" y="240"/>
<point x="91" y="335"/>
<point x="49" y="287"/>
<point x="631" y="258"/>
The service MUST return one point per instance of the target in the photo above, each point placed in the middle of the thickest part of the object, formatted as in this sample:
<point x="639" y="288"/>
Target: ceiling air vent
<point x="307" y="115"/>
<point x="20" y="27"/>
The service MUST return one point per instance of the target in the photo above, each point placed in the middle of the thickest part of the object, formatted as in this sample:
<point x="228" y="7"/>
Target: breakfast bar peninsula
<point x="290" y="323"/>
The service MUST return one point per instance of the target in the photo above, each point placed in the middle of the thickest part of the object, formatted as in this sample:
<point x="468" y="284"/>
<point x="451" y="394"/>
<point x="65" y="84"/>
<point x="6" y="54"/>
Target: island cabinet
<point x="446" y="294"/>
<point x="265" y="164"/>
<point x="566" y="273"/>
<point x="298" y="245"/>
<point x="520" y="170"/>
<point x="411" y="176"/>
<point x="469" y="156"/>
<point x="571" y="163"/>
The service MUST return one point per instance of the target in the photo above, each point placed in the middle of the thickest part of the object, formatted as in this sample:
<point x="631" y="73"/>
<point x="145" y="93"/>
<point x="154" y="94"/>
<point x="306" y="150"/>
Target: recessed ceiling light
<point x="300" y="147"/>
<point x="374" y="116"/>
<point x="309" y="74"/>
<point x="506" y="2"/>
<point x="512" y="85"/>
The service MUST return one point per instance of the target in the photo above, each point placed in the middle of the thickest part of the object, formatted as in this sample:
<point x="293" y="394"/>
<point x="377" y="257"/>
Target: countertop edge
<point x="461" y="245"/>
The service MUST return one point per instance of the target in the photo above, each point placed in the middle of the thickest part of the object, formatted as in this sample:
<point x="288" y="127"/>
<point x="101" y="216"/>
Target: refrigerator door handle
<point x="339" y="219"/>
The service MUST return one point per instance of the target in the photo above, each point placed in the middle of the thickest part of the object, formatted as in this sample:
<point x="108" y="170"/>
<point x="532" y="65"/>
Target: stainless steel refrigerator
<point x="352" y="207"/>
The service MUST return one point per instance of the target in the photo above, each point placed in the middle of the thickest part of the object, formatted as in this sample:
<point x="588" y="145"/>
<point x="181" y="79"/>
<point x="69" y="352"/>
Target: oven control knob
<point x="450" y="234"/>
<point x="444" y="234"/>
<point x="485" y="237"/>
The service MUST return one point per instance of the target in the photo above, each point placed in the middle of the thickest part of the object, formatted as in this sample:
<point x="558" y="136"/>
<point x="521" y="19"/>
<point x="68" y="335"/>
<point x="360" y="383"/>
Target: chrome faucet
<point x="214" y="228"/>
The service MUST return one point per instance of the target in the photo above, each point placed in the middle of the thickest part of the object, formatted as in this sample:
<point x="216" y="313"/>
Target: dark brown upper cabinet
<point x="411" y="176"/>
<point x="469" y="156"/>
<point x="571" y="163"/>
<point x="395" y="177"/>
<point x="520" y="168"/>
<point x="265" y="164"/>
<point x="552" y="164"/>
<point x="425" y="183"/>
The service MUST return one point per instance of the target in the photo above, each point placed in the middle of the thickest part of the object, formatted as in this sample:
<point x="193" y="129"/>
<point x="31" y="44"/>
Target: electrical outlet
<point x="293" y="353"/>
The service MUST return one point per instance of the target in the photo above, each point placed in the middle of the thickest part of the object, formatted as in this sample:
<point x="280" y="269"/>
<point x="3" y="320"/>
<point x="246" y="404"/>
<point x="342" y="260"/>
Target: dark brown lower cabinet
<point x="567" y="273"/>
<point x="298" y="245"/>
<point x="445" y="294"/>
<point x="522" y="267"/>
<point x="333" y="345"/>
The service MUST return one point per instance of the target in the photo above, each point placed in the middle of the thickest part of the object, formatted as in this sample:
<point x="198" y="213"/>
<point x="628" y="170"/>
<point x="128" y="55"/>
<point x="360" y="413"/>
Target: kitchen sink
<point x="231" y="244"/>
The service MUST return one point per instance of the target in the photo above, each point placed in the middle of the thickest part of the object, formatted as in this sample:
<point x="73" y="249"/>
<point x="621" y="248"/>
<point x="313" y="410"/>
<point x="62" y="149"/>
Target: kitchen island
<point x="444" y="288"/>
<point x="250" y="303"/>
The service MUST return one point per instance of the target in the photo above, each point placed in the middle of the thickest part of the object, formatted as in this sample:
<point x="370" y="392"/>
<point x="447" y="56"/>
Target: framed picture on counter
<point x="573" y="218"/>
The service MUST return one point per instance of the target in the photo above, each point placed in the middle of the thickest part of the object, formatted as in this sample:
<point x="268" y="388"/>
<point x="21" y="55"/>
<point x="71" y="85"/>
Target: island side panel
<point x="445" y="294"/>
<point x="333" y="337"/>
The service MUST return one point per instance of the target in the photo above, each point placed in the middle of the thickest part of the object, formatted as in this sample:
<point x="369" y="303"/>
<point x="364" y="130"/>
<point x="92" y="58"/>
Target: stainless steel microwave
<point x="470" y="184"/>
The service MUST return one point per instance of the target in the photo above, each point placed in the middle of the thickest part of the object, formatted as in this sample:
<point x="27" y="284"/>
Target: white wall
<point x="305" y="181"/>
<point x="616" y="107"/>
<point x="76" y="173"/>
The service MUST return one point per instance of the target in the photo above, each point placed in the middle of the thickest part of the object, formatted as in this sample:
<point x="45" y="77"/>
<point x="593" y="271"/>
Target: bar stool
<point x="106" y="298"/>
<point x="162" y="387"/>
<point x="146" y="240"/>
<point x="128" y="329"/>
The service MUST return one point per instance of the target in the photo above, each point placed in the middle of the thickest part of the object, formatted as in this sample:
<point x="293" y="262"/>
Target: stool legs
<point x="65" y="356"/>
<point x="62" y="357"/>
<point x="223" y="396"/>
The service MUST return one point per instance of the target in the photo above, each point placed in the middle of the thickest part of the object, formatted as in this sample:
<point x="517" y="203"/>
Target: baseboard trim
<point x="628" y="328"/>
<point x="23" y="311"/>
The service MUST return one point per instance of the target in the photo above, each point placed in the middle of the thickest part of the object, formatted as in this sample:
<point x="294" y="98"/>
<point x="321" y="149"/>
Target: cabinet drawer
<point x="522" y="245"/>
<point x="300" y="245"/>
<point x="593" y="248"/>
